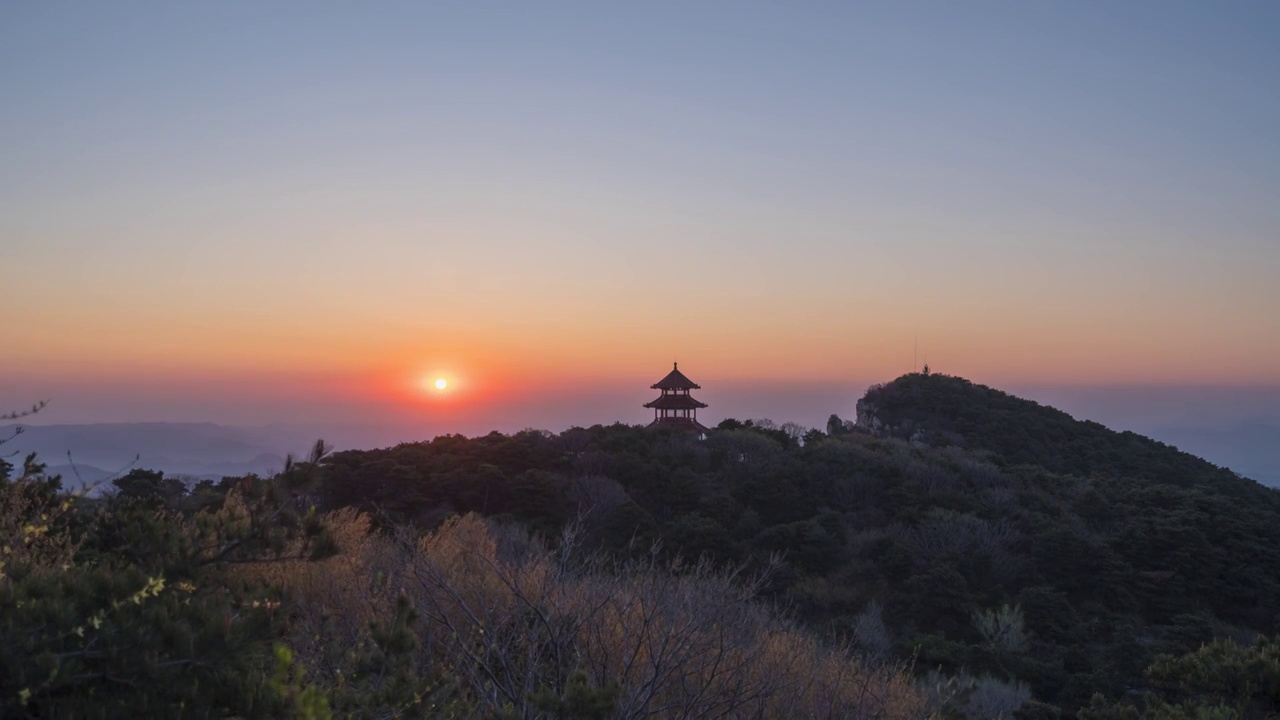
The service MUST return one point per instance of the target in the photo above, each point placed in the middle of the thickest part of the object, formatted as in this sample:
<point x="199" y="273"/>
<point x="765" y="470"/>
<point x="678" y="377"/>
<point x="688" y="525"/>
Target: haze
<point x="297" y="212"/>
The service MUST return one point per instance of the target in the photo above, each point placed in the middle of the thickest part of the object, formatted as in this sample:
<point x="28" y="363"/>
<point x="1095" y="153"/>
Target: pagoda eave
<point x="675" y="380"/>
<point x="675" y="402"/>
<point x="680" y="424"/>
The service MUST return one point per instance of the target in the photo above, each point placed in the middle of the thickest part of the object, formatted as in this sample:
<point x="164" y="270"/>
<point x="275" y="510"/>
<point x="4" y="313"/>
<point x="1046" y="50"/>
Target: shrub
<point x="521" y="627"/>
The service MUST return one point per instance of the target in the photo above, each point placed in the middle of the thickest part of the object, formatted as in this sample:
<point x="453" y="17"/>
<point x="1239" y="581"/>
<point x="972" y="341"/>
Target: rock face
<point x="871" y="420"/>
<point x="867" y="416"/>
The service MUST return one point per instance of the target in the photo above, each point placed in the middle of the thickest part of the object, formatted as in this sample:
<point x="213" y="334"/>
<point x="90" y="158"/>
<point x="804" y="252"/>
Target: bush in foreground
<point x="496" y="621"/>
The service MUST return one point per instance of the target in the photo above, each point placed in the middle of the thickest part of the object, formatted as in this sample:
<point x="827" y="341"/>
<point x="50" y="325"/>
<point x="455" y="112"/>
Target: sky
<point x="284" y="212"/>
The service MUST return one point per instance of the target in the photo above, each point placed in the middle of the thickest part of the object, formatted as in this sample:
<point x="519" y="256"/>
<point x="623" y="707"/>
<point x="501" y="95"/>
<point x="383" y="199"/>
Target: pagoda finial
<point x="675" y="366"/>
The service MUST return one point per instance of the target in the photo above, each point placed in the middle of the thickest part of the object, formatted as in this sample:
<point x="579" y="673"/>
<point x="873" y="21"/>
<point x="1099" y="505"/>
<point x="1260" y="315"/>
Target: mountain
<point x="101" y="451"/>
<point x="1005" y="550"/>
<point x="76" y="476"/>
<point x="984" y="538"/>
<point x="943" y="410"/>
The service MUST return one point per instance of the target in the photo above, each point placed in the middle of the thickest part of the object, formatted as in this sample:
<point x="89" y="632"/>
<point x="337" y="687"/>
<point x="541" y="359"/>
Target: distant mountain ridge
<point x="92" y="453"/>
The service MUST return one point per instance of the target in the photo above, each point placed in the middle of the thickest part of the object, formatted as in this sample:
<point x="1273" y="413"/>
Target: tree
<point x="838" y="426"/>
<point x="121" y="607"/>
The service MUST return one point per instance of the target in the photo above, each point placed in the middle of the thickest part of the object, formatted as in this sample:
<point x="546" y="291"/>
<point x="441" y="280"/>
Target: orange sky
<point x="204" y="213"/>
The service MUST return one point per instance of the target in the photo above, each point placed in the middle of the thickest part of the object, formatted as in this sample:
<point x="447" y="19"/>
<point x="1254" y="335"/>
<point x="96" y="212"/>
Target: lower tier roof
<point x="680" y="424"/>
<point x="675" y="402"/>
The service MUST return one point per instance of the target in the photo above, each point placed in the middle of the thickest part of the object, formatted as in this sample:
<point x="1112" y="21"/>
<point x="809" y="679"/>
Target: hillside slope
<point x="945" y="410"/>
<point x="978" y="535"/>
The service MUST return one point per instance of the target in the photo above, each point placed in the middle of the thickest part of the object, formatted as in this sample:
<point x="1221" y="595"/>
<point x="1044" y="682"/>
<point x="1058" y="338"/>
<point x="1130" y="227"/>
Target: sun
<point x="441" y="383"/>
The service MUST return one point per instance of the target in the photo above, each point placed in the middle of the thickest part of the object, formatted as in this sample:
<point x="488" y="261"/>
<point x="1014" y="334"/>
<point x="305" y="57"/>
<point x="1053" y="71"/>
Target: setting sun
<point x="441" y="383"/>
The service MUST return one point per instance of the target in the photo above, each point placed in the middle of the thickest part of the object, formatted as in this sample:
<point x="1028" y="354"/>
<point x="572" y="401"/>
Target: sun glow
<point x="441" y="383"/>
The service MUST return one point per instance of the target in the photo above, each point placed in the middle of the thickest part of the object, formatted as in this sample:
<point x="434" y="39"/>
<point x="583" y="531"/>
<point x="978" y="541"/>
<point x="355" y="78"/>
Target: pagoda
<point x="675" y="407"/>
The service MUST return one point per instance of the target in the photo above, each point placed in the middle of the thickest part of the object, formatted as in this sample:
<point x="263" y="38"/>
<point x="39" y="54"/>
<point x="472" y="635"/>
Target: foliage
<point x="123" y="606"/>
<point x="229" y="599"/>
<point x="948" y="506"/>
<point x="1003" y="631"/>
<point x="524" y="630"/>
<point x="1026" y="564"/>
<point x="1219" y="680"/>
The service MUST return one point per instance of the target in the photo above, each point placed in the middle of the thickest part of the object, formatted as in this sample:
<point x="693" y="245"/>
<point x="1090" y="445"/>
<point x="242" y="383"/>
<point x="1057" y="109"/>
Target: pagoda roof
<point x="680" y="424"/>
<point x="675" y="402"/>
<point x="675" y="380"/>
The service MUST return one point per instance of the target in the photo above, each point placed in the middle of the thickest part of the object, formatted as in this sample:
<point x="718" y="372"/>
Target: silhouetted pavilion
<point x="675" y="407"/>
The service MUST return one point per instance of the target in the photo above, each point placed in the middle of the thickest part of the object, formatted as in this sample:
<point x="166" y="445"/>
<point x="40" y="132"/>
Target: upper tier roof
<point x="675" y="380"/>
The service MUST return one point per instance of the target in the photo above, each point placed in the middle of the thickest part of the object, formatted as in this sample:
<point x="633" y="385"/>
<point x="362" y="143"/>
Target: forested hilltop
<point x="956" y="553"/>
<point x="942" y="410"/>
<point x="978" y="535"/>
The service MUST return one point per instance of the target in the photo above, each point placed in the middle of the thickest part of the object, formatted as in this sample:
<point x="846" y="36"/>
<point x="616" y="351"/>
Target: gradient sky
<point x="266" y="211"/>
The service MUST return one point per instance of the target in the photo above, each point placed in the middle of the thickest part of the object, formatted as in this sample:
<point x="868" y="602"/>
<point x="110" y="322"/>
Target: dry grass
<point x="508" y="617"/>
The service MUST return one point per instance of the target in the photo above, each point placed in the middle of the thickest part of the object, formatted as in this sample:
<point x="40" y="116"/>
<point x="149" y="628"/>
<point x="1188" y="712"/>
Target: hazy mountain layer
<point x="94" y="452"/>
